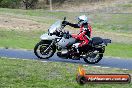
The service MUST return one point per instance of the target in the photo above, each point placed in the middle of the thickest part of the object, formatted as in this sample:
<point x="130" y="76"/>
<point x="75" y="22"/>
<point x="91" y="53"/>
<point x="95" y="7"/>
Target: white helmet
<point x="82" y="19"/>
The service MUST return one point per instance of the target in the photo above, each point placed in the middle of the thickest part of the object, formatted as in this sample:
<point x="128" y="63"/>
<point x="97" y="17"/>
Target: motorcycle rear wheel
<point x="42" y="46"/>
<point x="90" y="60"/>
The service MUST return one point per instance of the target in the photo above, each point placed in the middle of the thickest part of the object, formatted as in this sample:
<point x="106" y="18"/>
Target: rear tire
<point x="93" y="62"/>
<point x="38" y="52"/>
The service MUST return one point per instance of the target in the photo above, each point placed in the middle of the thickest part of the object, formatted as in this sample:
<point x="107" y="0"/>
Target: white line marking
<point x="25" y="59"/>
<point x="124" y="69"/>
<point x="85" y="65"/>
<point x="44" y="61"/>
<point x="97" y="66"/>
<point x="105" y="67"/>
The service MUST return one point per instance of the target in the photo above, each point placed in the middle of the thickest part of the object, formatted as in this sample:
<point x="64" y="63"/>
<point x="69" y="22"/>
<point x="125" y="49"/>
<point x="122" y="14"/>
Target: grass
<point x="126" y="5"/>
<point x="119" y="50"/>
<point x="35" y="74"/>
<point x="19" y="39"/>
<point x="112" y="22"/>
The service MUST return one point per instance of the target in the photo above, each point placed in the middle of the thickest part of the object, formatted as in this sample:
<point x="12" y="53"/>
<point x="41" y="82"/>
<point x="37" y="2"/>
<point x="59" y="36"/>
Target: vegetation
<point x="27" y="73"/>
<point x="113" y="22"/>
<point x="18" y="3"/>
<point x="33" y="4"/>
<point x="10" y="3"/>
<point x="19" y="39"/>
<point x="119" y="50"/>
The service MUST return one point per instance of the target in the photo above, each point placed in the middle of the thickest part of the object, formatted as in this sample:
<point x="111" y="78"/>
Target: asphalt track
<point x="105" y="62"/>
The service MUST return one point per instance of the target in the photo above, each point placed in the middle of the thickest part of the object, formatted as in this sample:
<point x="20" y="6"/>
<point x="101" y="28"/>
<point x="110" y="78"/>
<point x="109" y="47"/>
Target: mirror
<point x="64" y="18"/>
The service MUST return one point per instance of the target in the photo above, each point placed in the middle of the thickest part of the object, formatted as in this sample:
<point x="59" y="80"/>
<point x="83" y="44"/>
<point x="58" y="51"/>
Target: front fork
<point x="52" y="44"/>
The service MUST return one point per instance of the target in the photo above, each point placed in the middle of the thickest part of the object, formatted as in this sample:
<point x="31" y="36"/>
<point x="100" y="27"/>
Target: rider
<point x="85" y="31"/>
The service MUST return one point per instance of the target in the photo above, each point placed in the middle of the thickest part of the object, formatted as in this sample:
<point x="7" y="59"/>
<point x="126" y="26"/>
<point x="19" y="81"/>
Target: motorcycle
<point x="59" y="41"/>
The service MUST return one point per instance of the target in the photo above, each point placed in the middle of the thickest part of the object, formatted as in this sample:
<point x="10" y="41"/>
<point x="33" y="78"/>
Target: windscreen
<point x="54" y="27"/>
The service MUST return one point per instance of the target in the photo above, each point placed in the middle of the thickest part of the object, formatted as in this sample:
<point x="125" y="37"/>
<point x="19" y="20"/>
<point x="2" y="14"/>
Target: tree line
<point x="18" y="3"/>
<point x="33" y="4"/>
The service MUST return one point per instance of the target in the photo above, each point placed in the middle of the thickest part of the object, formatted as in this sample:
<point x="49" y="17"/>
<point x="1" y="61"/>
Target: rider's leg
<point x="85" y="42"/>
<point x="76" y="45"/>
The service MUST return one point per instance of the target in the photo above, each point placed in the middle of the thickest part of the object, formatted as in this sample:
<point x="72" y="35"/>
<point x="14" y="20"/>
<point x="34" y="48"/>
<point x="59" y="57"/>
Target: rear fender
<point x="106" y="41"/>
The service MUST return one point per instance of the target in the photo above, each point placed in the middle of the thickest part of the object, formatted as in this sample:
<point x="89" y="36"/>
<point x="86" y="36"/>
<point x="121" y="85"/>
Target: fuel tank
<point x="66" y="42"/>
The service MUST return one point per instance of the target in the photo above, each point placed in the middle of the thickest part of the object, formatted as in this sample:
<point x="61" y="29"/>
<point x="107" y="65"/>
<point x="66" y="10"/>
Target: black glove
<point x="65" y="22"/>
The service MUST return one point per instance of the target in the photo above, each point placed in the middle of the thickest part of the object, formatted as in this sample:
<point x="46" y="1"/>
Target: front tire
<point x="40" y="48"/>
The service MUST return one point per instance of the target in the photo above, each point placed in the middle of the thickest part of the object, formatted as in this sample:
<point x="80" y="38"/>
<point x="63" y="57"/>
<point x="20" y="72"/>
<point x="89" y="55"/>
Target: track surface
<point x="105" y="62"/>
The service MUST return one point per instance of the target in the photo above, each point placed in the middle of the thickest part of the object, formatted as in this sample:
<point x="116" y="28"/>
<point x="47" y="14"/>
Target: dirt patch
<point x="8" y="22"/>
<point x="108" y="6"/>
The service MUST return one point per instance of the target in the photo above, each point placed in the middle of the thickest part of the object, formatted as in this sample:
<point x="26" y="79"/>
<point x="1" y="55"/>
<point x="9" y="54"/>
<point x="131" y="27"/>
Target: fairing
<point x="48" y="37"/>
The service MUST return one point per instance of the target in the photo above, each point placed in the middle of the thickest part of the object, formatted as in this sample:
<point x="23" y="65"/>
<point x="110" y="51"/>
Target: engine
<point x="63" y="53"/>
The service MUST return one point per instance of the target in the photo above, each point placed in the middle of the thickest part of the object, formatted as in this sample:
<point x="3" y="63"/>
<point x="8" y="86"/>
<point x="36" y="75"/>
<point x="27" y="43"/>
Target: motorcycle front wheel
<point x="40" y="48"/>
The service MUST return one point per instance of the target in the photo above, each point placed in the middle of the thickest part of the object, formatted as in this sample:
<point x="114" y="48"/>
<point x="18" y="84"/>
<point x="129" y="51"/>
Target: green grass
<point x="36" y="74"/>
<point x="126" y="5"/>
<point x="112" y="22"/>
<point x="119" y="50"/>
<point x="19" y="39"/>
